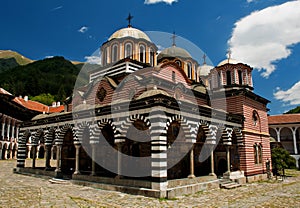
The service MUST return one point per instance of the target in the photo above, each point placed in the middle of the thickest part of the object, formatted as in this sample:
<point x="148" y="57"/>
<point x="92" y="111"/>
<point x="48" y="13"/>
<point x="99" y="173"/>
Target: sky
<point x="264" y="34"/>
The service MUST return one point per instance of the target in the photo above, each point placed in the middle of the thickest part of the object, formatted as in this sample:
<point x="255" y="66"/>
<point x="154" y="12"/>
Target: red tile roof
<point x="3" y="91"/>
<point x="32" y="105"/>
<point x="284" y="119"/>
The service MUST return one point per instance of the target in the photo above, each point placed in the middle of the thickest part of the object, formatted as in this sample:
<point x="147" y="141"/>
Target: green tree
<point x="281" y="159"/>
<point x="61" y="94"/>
<point x="44" y="98"/>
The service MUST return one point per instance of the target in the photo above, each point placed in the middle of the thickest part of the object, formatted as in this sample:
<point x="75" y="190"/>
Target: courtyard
<point x="29" y="191"/>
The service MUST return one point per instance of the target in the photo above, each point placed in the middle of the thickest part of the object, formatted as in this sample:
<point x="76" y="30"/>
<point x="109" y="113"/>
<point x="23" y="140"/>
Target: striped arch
<point x="205" y="126"/>
<point x="190" y="136"/>
<point x="62" y="132"/>
<point x="50" y="136"/>
<point x="80" y="128"/>
<point x="129" y="121"/>
<point x="96" y="130"/>
<point x="239" y="136"/>
<point x="227" y="135"/>
<point x="21" y="154"/>
<point x="37" y="136"/>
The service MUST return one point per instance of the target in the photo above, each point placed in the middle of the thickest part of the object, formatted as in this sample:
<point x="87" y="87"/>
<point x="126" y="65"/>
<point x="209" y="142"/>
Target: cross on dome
<point x="204" y="59"/>
<point x="174" y="36"/>
<point x="129" y="18"/>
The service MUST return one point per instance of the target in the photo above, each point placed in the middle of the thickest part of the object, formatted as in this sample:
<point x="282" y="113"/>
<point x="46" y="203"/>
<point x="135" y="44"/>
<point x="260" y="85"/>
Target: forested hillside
<point x="51" y="78"/>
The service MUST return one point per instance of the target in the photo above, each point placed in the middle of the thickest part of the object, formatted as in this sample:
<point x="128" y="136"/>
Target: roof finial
<point x="229" y="53"/>
<point x="174" y="39"/>
<point x="204" y="59"/>
<point x="129" y="18"/>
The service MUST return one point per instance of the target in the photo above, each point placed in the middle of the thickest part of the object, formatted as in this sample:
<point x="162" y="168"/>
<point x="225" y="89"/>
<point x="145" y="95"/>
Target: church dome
<point x="228" y="61"/>
<point x="129" y="32"/>
<point x="174" y="51"/>
<point x="204" y="70"/>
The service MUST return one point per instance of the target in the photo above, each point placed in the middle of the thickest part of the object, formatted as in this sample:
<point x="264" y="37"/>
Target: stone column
<point x="77" y="172"/>
<point x="228" y="158"/>
<point x="3" y="129"/>
<point x="5" y="154"/>
<point x="212" y="163"/>
<point x="17" y="133"/>
<point x="8" y="131"/>
<point x="192" y="174"/>
<point x="58" y="173"/>
<point x="93" y="160"/>
<point x="47" y="157"/>
<point x="119" y="147"/>
<point x="278" y="134"/>
<point x="295" y="141"/>
<point x="29" y="151"/>
<point x="13" y="131"/>
<point x="33" y="148"/>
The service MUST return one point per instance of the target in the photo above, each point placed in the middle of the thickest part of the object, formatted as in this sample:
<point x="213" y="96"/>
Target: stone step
<point x="228" y="184"/>
<point x="59" y="181"/>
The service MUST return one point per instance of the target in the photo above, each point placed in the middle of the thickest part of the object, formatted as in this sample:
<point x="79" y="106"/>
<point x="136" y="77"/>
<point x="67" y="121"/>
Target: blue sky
<point x="262" y="33"/>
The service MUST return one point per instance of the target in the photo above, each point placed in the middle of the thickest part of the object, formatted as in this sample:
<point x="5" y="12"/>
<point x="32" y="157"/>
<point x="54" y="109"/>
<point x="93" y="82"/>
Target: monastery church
<point x="153" y="123"/>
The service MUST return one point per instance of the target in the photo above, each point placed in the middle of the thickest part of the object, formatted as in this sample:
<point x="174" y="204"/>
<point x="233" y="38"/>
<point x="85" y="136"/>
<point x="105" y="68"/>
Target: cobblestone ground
<point x="25" y="191"/>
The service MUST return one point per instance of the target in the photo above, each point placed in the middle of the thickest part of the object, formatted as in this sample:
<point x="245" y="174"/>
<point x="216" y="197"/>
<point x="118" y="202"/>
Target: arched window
<point x="128" y="50"/>
<point x="219" y="80"/>
<point x="104" y="57"/>
<point x="151" y="56"/>
<point x="228" y="77"/>
<point x="255" y="118"/>
<point x="142" y="53"/>
<point x="189" y="70"/>
<point x="257" y="153"/>
<point x="114" y="53"/>
<point x="178" y="62"/>
<point x="240" y="74"/>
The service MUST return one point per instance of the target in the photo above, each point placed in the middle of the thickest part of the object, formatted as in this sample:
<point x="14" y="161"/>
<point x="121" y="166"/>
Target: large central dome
<point x="129" y="32"/>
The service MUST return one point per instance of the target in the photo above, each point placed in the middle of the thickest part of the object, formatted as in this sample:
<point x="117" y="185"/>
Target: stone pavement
<point x="25" y="191"/>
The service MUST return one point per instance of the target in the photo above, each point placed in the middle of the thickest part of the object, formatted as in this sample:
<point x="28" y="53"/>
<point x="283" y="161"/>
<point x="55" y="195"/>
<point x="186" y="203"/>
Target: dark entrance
<point x="68" y="153"/>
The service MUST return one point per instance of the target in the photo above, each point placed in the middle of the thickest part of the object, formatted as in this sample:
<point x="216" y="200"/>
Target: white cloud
<point x="290" y="96"/>
<point x="83" y="29"/>
<point x="93" y="59"/>
<point x="265" y="36"/>
<point x="56" y="8"/>
<point x="159" y="1"/>
<point x="249" y="1"/>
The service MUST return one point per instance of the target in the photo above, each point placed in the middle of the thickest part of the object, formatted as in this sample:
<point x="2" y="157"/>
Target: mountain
<point x="295" y="110"/>
<point x="55" y="76"/>
<point x="10" y="59"/>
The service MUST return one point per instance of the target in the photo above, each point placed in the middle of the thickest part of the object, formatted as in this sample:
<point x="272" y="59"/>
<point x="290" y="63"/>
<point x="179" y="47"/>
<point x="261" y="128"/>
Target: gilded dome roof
<point x="129" y="32"/>
<point x="228" y="61"/>
<point x="174" y="51"/>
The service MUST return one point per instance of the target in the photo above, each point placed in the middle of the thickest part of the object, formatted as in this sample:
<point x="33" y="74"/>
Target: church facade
<point x="158" y="124"/>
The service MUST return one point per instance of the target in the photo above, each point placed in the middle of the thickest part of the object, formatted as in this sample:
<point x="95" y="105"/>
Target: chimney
<point x="58" y="104"/>
<point x="54" y="104"/>
<point x="26" y="98"/>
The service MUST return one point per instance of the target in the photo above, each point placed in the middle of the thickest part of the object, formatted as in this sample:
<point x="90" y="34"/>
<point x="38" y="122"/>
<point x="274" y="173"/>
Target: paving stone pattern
<point x="26" y="191"/>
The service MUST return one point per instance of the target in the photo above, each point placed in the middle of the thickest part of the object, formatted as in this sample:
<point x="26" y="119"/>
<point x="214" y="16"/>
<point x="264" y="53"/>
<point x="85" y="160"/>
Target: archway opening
<point x="201" y="168"/>
<point x="68" y="153"/>
<point x="85" y="163"/>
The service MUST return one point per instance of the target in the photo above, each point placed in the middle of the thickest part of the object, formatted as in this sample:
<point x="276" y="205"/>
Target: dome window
<point x="240" y="74"/>
<point x="142" y="53"/>
<point x="151" y="56"/>
<point x="189" y="70"/>
<point x="128" y="50"/>
<point x="178" y="63"/>
<point x="114" y="53"/>
<point x="228" y="76"/>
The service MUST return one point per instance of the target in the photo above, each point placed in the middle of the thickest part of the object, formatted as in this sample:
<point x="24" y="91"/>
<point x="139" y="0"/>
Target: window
<point x="128" y="50"/>
<point x="255" y="118"/>
<point x="114" y="53"/>
<point x="142" y="53"/>
<point x="178" y="63"/>
<point x="228" y="76"/>
<point x="173" y="76"/>
<point x="257" y="153"/>
<point x="104" y="57"/>
<point x="189" y="70"/>
<point x="240" y="74"/>
<point x="151" y="57"/>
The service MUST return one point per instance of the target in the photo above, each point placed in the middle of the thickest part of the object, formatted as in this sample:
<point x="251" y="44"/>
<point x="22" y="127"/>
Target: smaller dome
<point x="129" y="32"/>
<point x="228" y="61"/>
<point x="204" y="70"/>
<point x="174" y="51"/>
